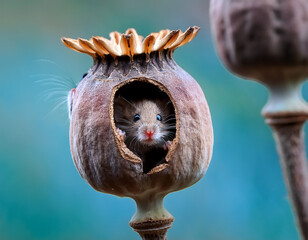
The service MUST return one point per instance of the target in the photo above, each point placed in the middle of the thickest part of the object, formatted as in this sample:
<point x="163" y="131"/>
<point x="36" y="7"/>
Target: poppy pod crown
<point x="130" y="43"/>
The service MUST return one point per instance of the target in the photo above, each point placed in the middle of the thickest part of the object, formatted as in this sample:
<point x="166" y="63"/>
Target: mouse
<point x="145" y="124"/>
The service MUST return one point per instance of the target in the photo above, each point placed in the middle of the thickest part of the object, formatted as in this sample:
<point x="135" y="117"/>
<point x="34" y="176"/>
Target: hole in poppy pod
<point x="137" y="106"/>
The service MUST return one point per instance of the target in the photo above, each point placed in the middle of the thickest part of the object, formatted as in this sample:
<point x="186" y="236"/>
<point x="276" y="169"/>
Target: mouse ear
<point x="165" y="104"/>
<point x="120" y="105"/>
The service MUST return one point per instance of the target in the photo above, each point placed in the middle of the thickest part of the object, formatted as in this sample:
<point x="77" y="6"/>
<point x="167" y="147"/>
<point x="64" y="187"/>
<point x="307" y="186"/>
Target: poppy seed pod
<point x="266" y="40"/>
<point x="129" y="69"/>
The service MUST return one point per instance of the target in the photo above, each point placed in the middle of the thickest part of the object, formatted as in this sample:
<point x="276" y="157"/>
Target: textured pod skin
<point x="266" y="40"/>
<point x="100" y="156"/>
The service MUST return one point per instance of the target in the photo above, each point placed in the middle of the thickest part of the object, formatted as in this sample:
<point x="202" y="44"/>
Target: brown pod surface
<point x="126" y="64"/>
<point x="106" y="163"/>
<point x="264" y="40"/>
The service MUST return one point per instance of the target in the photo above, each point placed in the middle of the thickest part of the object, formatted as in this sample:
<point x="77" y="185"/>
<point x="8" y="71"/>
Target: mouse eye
<point x="136" y="117"/>
<point x="158" y="117"/>
<point x="84" y="75"/>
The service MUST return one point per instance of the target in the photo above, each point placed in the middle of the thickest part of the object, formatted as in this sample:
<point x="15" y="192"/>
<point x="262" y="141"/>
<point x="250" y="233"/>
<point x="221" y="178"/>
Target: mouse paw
<point x="167" y="145"/>
<point x="121" y="133"/>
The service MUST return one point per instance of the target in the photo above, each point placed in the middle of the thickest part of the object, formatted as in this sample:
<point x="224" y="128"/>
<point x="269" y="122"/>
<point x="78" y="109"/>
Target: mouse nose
<point x="149" y="133"/>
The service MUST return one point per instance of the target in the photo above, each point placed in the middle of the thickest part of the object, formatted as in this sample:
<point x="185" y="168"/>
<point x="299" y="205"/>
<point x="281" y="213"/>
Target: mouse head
<point x="145" y="120"/>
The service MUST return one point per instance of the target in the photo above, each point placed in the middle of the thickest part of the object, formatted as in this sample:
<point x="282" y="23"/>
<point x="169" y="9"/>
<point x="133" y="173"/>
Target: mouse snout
<point x="149" y="133"/>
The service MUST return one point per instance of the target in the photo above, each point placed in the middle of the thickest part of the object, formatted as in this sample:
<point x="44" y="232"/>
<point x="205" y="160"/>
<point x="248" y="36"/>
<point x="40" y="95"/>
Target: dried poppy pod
<point x="124" y="67"/>
<point x="266" y="40"/>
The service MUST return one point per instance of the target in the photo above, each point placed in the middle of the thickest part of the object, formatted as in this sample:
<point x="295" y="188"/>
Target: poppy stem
<point x="289" y="137"/>
<point x="151" y="219"/>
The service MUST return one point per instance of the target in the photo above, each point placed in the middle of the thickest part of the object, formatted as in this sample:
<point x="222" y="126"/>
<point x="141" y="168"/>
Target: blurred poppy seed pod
<point x="124" y="67"/>
<point x="267" y="41"/>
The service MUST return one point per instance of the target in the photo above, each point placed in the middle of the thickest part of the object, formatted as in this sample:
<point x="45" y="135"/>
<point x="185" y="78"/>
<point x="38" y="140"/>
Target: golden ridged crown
<point x="130" y="43"/>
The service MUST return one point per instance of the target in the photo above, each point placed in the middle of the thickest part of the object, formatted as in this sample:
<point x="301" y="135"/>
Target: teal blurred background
<point x="42" y="196"/>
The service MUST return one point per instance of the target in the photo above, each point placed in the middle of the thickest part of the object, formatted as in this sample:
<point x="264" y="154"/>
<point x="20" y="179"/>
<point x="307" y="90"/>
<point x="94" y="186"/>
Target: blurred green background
<point x="42" y="196"/>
